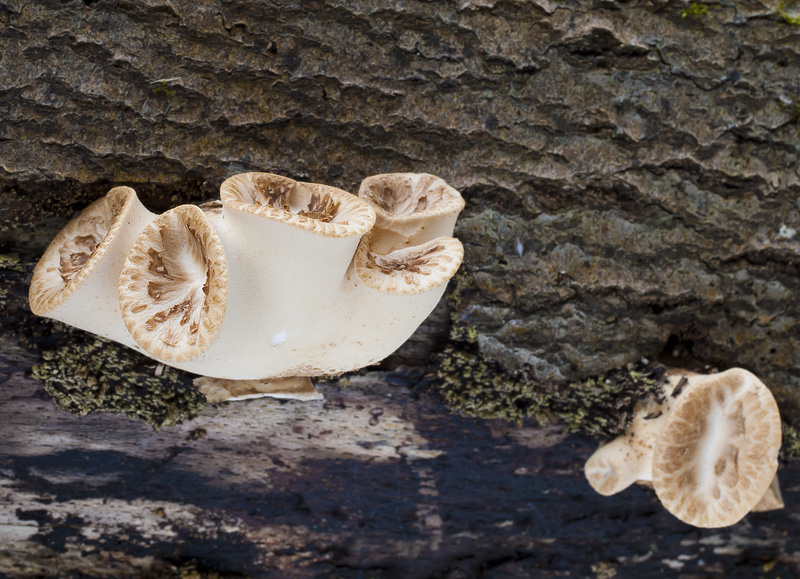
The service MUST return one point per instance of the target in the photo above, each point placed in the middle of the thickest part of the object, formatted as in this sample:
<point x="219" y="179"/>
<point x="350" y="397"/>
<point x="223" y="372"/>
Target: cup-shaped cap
<point x="173" y="287"/>
<point x="77" y="250"/>
<point x="408" y="271"/>
<point x="317" y="208"/>
<point x="398" y="196"/>
<point x="411" y="208"/>
<point x="718" y="452"/>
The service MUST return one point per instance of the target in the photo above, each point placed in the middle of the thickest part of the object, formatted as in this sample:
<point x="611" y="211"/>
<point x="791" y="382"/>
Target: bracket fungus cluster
<point x="708" y="446"/>
<point x="278" y="279"/>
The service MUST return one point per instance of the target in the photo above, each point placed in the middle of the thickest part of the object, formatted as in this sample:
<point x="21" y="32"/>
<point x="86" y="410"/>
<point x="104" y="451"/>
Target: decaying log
<point x="631" y="178"/>
<point x="377" y="480"/>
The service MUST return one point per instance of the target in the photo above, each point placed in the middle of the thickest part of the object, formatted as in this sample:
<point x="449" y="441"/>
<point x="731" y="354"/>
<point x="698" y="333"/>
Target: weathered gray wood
<point x="378" y="480"/>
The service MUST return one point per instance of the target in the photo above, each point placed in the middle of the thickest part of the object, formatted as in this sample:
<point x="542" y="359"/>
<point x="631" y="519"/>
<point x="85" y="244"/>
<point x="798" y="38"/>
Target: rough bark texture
<point x="630" y="168"/>
<point x="631" y="177"/>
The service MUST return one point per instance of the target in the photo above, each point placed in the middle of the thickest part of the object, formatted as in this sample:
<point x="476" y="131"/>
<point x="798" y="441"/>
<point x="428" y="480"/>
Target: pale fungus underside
<point x="708" y="445"/>
<point x="717" y="454"/>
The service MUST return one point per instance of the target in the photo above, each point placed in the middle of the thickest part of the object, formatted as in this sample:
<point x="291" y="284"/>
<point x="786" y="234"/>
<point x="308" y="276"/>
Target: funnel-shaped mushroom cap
<point x="411" y="208"/>
<point x="717" y="455"/>
<point x="401" y="195"/>
<point x="174" y="285"/>
<point x="318" y="208"/>
<point x="409" y="271"/>
<point x="77" y="249"/>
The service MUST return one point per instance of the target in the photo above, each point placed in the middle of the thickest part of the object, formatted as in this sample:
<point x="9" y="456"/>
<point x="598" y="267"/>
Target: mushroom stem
<point x="384" y="298"/>
<point x="76" y="281"/>
<point x="288" y="246"/>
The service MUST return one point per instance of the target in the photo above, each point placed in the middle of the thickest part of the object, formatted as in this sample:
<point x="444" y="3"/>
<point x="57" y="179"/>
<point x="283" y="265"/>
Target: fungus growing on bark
<point x="411" y="208"/>
<point x="283" y="279"/>
<point x="76" y="279"/>
<point x="708" y="447"/>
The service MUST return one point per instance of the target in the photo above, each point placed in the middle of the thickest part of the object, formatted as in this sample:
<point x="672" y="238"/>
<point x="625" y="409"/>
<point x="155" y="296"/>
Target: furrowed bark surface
<point x="631" y="173"/>
<point x="631" y="178"/>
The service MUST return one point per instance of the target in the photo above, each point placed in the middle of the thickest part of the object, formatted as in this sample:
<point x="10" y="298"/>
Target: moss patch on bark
<point x="99" y="376"/>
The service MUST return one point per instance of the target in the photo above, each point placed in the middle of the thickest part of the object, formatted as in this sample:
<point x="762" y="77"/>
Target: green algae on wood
<point x="789" y="10"/>
<point x="695" y="9"/>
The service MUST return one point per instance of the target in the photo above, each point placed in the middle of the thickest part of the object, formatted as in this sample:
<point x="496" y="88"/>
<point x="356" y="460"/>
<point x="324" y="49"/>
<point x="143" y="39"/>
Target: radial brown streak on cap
<point x="321" y="207"/>
<point x="272" y="190"/>
<point x="174" y="286"/>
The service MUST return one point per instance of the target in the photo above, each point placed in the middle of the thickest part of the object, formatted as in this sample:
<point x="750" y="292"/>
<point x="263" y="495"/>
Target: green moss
<point x="696" y="9"/>
<point x="600" y="406"/>
<point x="477" y="387"/>
<point x="163" y="89"/>
<point x="791" y="442"/>
<point x="793" y="109"/>
<point x="11" y="262"/>
<point x="462" y="287"/>
<point x="789" y="10"/>
<point x="100" y="376"/>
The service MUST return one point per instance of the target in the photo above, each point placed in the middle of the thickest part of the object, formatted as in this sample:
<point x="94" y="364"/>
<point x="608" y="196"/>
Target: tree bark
<point x="631" y="177"/>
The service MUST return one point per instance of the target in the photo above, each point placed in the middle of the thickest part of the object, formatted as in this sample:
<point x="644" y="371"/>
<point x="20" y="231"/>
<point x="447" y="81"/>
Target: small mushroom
<point x="76" y="280"/>
<point x="411" y="208"/>
<point x="708" y="447"/>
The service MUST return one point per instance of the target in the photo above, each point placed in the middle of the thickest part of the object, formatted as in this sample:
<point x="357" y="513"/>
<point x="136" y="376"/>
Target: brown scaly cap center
<point x="311" y="206"/>
<point x="91" y="230"/>
<point x="174" y="285"/>
<point x="73" y="254"/>
<point x="293" y="197"/>
<point x="412" y="263"/>
<point x="400" y="194"/>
